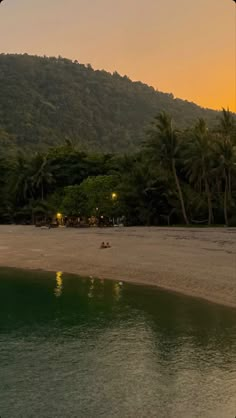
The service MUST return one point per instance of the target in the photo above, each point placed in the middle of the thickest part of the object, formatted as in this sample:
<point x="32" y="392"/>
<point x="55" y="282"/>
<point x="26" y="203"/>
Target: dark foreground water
<point x="72" y="347"/>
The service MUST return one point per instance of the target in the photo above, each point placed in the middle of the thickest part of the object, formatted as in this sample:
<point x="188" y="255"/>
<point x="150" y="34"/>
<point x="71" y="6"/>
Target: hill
<point x="44" y="100"/>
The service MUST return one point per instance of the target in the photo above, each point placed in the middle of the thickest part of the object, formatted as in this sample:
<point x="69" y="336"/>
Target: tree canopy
<point x="179" y="176"/>
<point x="46" y="101"/>
<point x="72" y="137"/>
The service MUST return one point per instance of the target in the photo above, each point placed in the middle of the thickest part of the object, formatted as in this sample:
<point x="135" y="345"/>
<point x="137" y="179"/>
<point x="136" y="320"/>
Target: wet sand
<point x="196" y="262"/>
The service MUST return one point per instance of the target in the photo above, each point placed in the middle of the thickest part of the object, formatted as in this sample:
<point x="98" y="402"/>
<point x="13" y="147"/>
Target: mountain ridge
<point x="45" y="100"/>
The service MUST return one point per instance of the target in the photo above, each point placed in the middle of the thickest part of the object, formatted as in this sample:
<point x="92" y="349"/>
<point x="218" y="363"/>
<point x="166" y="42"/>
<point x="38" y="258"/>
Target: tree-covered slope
<point x="43" y="101"/>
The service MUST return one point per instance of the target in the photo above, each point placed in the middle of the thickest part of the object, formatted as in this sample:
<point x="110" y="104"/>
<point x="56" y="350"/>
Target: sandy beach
<point x="196" y="262"/>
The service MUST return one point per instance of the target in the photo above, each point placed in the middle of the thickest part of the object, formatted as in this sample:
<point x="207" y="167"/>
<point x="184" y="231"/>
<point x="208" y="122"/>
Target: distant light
<point x="59" y="215"/>
<point x="114" y="196"/>
<point x="102" y="217"/>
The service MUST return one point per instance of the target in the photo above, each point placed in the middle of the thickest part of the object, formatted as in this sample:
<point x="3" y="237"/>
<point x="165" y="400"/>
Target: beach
<point x="199" y="262"/>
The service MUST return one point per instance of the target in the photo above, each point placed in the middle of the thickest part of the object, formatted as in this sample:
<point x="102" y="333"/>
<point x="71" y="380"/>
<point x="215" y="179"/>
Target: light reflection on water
<point x="59" y="284"/>
<point x="72" y="347"/>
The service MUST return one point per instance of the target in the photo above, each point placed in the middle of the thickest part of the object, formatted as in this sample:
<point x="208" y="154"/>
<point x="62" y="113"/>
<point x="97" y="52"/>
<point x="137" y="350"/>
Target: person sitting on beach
<point x="107" y="245"/>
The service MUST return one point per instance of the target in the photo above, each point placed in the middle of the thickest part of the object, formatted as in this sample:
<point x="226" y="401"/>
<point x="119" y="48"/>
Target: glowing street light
<point x="114" y="195"/>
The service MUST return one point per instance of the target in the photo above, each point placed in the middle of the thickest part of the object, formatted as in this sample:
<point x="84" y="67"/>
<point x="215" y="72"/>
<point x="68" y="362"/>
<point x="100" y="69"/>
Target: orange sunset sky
<point x="181" y="46"/>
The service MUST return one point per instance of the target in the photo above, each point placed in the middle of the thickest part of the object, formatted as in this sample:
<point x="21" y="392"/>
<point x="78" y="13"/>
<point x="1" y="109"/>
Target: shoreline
<point x="132" y="282"/>
<point x="193" y="262"/>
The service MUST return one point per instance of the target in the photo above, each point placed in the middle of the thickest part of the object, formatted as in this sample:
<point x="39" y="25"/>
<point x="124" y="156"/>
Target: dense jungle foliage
<point x="178" y="176"/>
<point x="44" y="101"/>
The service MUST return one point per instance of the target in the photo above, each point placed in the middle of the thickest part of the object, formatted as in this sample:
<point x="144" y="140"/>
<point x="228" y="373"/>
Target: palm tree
<point x="227" y="128"/>
<point x="165" y="145"/>
<point x="227" y="123"/>
<point x="42" y="176"/>
<point x="226" y="153"/>
<point x="20" y="184"/>
<point x="199" y="161"/>
<point x="227" y="157"/>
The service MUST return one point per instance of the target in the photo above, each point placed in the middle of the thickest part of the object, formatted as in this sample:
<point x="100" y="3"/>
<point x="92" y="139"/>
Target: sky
<point x="183" y="47"/>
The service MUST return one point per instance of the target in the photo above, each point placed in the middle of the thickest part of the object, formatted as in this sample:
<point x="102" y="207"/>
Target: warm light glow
<point x="114" y="196"/>
<point x="117" y="291"/>
<point x="59" y="215"/>
<point x="59" y="286"/>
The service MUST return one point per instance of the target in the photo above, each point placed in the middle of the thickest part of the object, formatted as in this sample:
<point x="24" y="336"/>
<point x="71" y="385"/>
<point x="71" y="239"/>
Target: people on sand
<point x="103" y="245"/>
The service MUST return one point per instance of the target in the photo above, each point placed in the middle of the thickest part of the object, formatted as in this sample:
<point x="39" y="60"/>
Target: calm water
<point x="72" y="347"/>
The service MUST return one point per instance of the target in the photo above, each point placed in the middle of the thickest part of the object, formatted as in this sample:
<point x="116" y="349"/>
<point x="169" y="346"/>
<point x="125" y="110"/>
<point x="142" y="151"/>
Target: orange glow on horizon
<point x="184" y="48"/>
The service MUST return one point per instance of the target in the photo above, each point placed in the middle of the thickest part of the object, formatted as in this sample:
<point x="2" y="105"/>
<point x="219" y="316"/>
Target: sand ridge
<point x="198" y="262"/>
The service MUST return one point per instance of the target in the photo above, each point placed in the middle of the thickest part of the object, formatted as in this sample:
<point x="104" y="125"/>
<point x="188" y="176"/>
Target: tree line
<point x="177" y="177"/>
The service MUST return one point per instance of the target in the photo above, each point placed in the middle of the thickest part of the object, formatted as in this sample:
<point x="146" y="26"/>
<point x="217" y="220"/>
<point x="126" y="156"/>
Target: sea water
<point x="84" y="347"/>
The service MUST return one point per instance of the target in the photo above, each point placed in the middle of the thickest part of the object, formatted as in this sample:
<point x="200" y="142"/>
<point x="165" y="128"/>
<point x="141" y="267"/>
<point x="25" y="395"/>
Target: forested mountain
<point x="44" y="101"/>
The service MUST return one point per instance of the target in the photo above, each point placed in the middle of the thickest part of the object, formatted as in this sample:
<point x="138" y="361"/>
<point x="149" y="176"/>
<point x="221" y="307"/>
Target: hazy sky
<point x="181" y="46"/>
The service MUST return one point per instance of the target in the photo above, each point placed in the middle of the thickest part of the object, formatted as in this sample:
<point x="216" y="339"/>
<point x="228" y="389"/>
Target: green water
<point x="72" y="347"/>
